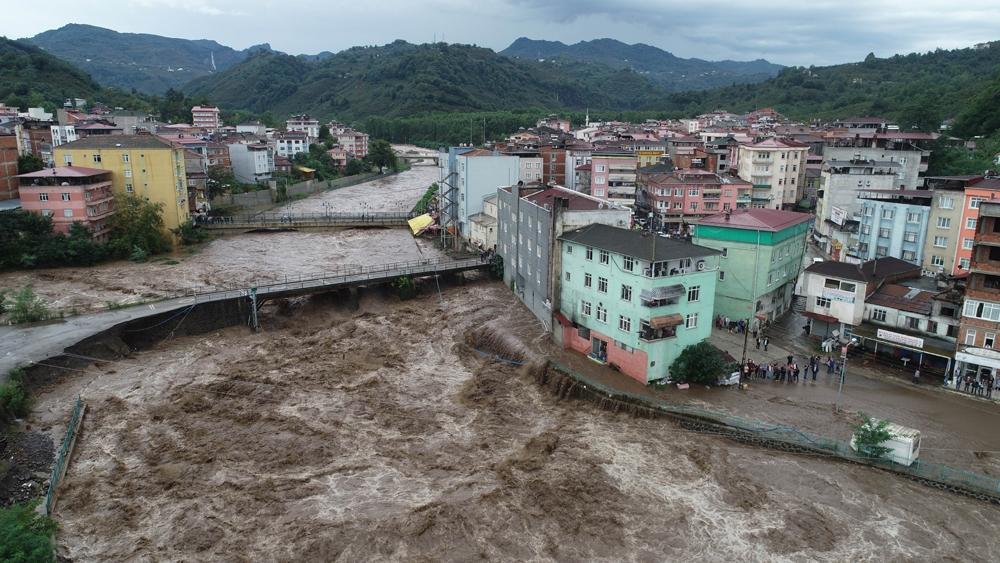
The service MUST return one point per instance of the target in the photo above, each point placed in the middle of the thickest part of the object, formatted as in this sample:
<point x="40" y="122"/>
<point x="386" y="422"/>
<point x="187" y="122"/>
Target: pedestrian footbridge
<point x="277" y="221"/>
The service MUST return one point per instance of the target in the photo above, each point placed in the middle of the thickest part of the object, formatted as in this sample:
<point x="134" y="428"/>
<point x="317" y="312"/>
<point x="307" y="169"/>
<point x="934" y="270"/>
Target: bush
<point x="28" y="307"/>
<point x="138" y="223"/>
<point x="3" y="302"/>
<point x="13" y="399"/>
<point x="870" y="434"/>
<point x="138" y="254"/>
<point x="496" y="267"/>
<point x="189" y="233"/>
<point x="405" y="287"/>
<point x="425" y="200"/>
<point x="25" y="535"/>
<point x="699" y="363"/>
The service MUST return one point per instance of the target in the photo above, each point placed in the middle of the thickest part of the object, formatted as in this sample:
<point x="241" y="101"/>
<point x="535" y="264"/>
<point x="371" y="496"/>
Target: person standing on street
<point x="766" y="342"/>
<point x="916" y="376"/>
<point x="815" y="368"/>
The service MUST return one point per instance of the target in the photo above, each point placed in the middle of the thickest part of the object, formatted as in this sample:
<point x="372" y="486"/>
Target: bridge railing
<point x="292" y="219"/>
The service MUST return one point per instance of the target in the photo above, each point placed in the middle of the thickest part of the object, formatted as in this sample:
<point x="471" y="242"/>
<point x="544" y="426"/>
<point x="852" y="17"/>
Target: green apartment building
<point x="761" y="258"/>
<point x="632" y="299"/>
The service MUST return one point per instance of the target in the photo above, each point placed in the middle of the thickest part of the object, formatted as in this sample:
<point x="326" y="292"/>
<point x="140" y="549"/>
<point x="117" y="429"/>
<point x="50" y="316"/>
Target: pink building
<point x="70" y="194"/>
<point x="205" y="118"/>
<point x="339" y="156"/>
<point x="686" y="193"/>
<point x="354" y="142"/>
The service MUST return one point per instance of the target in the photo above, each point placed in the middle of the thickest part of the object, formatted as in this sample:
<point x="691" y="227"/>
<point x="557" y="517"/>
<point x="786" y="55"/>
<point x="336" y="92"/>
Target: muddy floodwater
<point x="375" y="431"/>
<point x="244" y="258"/>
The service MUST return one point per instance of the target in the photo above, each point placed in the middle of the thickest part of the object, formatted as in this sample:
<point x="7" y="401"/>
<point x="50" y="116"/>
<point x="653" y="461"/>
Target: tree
<point x="189" y="233"/>
<point x="869" y="435"/>
<point x="380" y="154"/>
<point x="29" y="163"/>
<point x="354" y="166"/>
<point x="698" y="363"/>
<point x="324" y="133"/>
<point x="220" y="180"/>
<point x="25" y="535"/>
<point x="138" y="223"/>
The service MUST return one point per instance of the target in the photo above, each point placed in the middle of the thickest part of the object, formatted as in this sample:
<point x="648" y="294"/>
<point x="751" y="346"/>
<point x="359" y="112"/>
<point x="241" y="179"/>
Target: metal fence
<point x="979" y="485"/>
<point x="63" y="454"/>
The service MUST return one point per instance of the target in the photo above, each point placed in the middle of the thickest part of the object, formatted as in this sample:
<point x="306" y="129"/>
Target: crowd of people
<point x="790" y="371"/>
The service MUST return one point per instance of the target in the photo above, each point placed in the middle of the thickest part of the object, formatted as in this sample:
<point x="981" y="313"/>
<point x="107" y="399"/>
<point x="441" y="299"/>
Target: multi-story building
<point x="252" y="163"/>
<point x="483" y="232"/>
<point x="976" y="192"/>
<point x="553" y="165"/>
<point x="141" y="164"/>
<point x="354" y="142"/>
<point x="837" y="204"/>
<point x="62" y="134"/>
<point x="946" y="221"/>
<point x="776" y="168"/>
<point x="70" y="194"/>
<point x="882" y="147"/>
<point x="218" y="155"/>
<point x="761" y="259"/>
<point x="895" y="223"/>
<point x="529" y="221"/>
<point x="205" y="117"/>
<point x="978" y="353"/>
<point x="304" y="124"/>
<point x="613" y="177"/>
<point x="8" y="167"/>
<point x="479" y="174"/>
<point x="677" y="195"/>
<point x="291" y="143"/>
<point x="576" y="156"/>
<point x="632" y="299"/>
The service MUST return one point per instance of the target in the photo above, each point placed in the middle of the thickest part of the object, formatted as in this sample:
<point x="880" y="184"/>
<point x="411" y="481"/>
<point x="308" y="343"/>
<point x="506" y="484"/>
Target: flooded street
<point x="240" y="259"/>
<point x="375" y="432"/>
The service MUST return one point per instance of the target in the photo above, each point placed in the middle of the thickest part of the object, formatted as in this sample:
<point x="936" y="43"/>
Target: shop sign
<point x="903" y="339"/>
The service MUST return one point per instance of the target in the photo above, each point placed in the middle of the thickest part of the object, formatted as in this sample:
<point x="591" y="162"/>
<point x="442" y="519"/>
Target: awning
<point x="420" y="223"/>
<point x="820" y="317"/>
<point x="664" y="321"/>
<point x="665" y="292"/>
<point x="977" y="360"/>
<point x="562" y="319"/>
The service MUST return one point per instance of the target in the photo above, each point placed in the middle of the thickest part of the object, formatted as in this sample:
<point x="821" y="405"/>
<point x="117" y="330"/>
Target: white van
<point x="904" y="444"/>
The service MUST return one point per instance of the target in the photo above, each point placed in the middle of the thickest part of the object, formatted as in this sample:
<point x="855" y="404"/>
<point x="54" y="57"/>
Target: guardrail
<point x="64" y="454"/>
<point x="266" y="219"/>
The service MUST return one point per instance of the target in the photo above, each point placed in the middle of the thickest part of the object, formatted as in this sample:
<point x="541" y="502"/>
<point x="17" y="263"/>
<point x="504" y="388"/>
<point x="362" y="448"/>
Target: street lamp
<point x="843" y="369"/>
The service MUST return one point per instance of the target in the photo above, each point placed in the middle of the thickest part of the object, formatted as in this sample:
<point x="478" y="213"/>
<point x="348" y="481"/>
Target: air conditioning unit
<point x="701" y="265"/>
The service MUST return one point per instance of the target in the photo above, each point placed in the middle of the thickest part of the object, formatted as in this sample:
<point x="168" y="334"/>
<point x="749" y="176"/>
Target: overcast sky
<point x="792" y="33"/>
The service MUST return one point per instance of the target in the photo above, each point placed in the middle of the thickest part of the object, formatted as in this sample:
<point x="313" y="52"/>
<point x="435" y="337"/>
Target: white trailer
<point x="904" y="444"/>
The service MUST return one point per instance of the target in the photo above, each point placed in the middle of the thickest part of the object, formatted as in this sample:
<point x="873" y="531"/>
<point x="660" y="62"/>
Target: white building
<point x="777" y="170"/>
<point x="303" y="123"/>
<point x="480" y="174"/>
<point x="205" y="117"/>
<point x="62" y="134"/>
<point x="252" y="164"/>
<point x="291" y="143"/>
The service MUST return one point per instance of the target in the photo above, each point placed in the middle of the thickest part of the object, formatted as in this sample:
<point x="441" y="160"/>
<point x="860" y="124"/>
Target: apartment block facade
<point x="896" y="227"/>
<point x="777" y="170"/>
<point x="978" y="354"/>
<point x="71" y="194"/>
<point x="677" y="195"/>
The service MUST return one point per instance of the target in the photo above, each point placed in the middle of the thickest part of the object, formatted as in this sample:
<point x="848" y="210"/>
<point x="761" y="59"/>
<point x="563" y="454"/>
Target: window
<point x="946" y="203"/>
<point x="878" y="315"/>
<point x="626" y="292"/>
<point x="910" y="236"/>
<point x="602" y="285"/>
<point x="989" y="339"/>
<point x="970" y="337"/>
<point x="624" y="323"/>
<point x="869" y="211"/>
<point x="770" y="278"/>
<point x="722" y="275"/>
<point x="693" y="191"/>
<point x="691" y="320"/>
<point x="912" y="217"/>
<point x="603" y="257"/>
<point x="982" y="310"/>
<point x="694" y="293"/>
<point x="43" y="196"/>
<point x="725" y="252"/>
<point x="68" y="159"/>
<point x="587" y="280"/>
<point x="67" y="212"/>
<point x="940" y="241"/>
<point x="128" y="172"/>
<point x="970" y="223"/>
<point x="628" y="263"/>
<point x="694" y="206"/>
<point x="883" y="233"/>
<point x="975" y="201"/>
<point x="585" y="308"/>
<point x="932" y="327"/>
<point x="569" y="247"/>
<point x="602" y="313"/>
<point x="888" y="213"/>
<point x="64" y="196"/>
<point x="863" y="247"/>
<point x="124" y="157"/>
<point x="909" y="255"/>
<point x="97" y="158"/>
<point x="600" y="168"/>
<point x="129" y="188"/>
<point x="567" y="276"/>
<point x="944" y="222"/>
<point x="913" y="323"/>
<point x="590" y="253"/>
<point x="937" y="260"/>
<point x="881" y="251"/>
<point x="822" y="302"/>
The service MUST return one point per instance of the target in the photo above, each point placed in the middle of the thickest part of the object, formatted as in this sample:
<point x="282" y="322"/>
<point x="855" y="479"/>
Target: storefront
<point x="906" y="351"/>
<point x="977" y="363"/>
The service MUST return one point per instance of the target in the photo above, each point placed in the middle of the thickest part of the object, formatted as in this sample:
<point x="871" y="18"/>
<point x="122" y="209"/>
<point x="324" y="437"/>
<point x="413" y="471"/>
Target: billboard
<point x="838" y="216"/>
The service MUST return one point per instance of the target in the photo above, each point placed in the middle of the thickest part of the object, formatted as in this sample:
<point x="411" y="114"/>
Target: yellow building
<point x="141" y="164"/>
<point x="646" y="158"/>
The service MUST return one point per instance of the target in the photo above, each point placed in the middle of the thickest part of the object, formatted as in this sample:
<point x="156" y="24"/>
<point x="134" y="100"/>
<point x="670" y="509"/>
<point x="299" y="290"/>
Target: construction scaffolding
<point x="448" y="212"/>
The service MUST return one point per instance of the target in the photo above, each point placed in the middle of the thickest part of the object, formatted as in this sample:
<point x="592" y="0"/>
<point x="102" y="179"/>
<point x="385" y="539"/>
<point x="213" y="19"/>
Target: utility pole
<point x="753" y="305"/>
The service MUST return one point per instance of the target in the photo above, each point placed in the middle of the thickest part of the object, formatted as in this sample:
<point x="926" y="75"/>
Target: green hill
<point x="918" y="90"/>
<point x="30" y="77"/>
<point x="668" y="71"/>
<point x="403" y="79"/>
<point x="148" y="63"/>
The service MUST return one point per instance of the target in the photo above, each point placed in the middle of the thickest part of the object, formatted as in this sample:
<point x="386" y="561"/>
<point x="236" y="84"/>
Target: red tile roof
<point x="757" y="219"/>
<point x="575" y="200"/>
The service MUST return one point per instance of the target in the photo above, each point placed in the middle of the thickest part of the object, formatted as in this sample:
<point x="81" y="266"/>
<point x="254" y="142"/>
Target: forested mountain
<point x="149" y="63"/>
<point x="919" y="90"/>
<point x="670" y="72"/>
<point x="403" y="79"/>
<point x="30" y="77"/>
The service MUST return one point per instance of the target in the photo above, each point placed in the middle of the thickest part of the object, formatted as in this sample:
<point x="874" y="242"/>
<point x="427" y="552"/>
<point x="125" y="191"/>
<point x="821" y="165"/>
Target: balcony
<point x="762" y="187"/>
<point x="663" y="296"/>
<point x="988" y="239"/>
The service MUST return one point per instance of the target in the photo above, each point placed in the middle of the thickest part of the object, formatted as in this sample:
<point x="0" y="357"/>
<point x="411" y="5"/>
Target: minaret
<point x="588" y="118"/>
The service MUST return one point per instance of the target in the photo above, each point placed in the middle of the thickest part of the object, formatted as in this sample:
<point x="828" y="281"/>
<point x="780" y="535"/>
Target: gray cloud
<point x="801" y="33"/>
